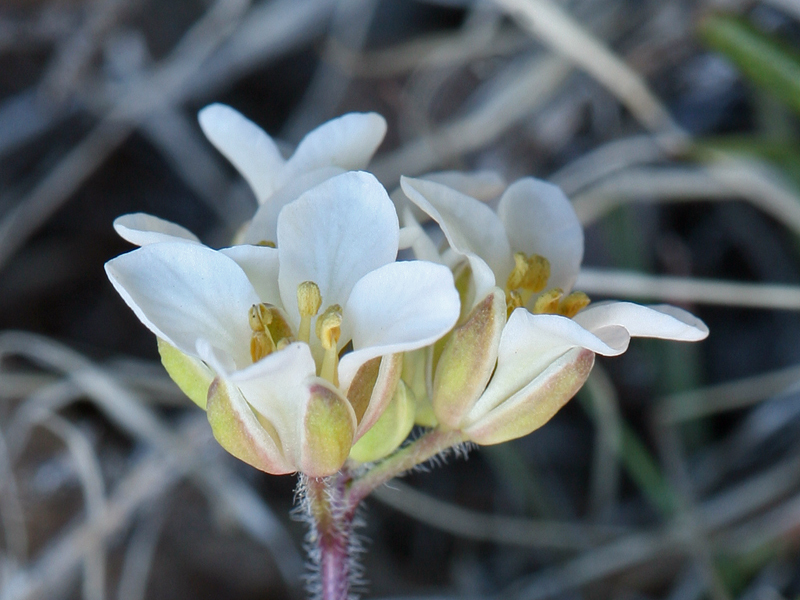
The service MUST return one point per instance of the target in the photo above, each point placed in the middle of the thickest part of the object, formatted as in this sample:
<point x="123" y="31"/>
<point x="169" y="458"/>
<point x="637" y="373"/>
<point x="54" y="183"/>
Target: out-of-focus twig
<point x="492" y="528"/>
<point x="563" y="34"/>
<point x="627" y="284"/>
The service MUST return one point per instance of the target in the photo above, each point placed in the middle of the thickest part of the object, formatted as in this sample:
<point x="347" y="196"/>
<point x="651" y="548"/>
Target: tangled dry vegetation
<point x="671" y="124"/>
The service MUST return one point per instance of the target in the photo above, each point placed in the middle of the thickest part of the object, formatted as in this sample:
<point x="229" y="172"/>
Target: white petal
<point x="528" y="344"/>
<point x="264" y="226"/>
<point x="347" y="142"/>
<point x="143" y="229"/>
<point x="277" y="387"/>
<point x="417" y="238"/>
<point x="260" y="264"/>
<point x="184" y="292"/>
<point x="660" y="321"/>
<point x="333" y="235"/>
<point x="481" y="185"/>
<point x="399" y="307"/>
<point x="539" y="219"/>
<point x="470" y="226"/>
<point x="246" y="146"/>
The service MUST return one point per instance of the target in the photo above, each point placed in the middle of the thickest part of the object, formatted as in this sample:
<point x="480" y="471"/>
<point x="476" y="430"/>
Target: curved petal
<point x="277" y="387"/>
<point x="417" y="238"/>
<point x="246" y="146"/>
<point x="470" y="226"/>
<point x="333" y="235"/>
<point x="539" y="219"/>
<point x="143" y="229"/>
<point x="481" y="185"/>
<point x="348" y="142"/>
<point x="658" y="321"/>
<point x="260" y="264"/>
<point x="528" y="345"/>
<point x="264" y="226"/>
<point x="401" y="306"/>
<point x="184" y="292"/>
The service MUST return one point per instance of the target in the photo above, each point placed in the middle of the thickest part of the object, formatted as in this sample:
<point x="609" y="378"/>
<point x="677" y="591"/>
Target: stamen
<point x="517" y="276"/>
<point x="329" y="328"/>
<point x="537" y="275"/>
<point x="267" y="243"/>
<point x="513" y="301"/>
<point x="548" y="302"/>
<point x="309" y="300"/>
<point x="261" y="342"/>
<point x="572" y="304"/>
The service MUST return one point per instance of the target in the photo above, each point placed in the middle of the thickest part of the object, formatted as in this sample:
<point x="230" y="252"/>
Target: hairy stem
<point x="331" y="535"/>
<point x="425" y="447"/>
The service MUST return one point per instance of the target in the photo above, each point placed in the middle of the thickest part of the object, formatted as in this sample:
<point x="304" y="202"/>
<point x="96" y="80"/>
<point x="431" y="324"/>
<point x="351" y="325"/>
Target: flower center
<point x="529" y="277"/>
<point x="328" y="328"/>
<point x="270" y="331"/>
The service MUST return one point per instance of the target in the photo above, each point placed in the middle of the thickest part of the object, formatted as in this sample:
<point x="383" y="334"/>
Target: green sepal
<point x="238" y="429"/>
<point x="468" y="360"/>
<point x="536" y="403"/>
<point x="328" y="430"/>
<point x="191" y="375"/>
<point x="391" y="429"/>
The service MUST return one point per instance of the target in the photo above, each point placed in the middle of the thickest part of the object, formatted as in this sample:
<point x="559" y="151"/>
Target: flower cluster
<point x="308" y="343"/>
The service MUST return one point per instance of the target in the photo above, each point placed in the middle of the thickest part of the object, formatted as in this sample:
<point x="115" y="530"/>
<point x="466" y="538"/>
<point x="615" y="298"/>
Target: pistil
<point x="329" y="328"/>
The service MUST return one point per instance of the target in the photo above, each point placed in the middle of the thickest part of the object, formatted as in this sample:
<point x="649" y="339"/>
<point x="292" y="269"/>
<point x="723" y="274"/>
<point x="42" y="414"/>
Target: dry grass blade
<point x="90" y="475"/>
<point x="558" y="30"/>
<point x="492" y="528"/>
<point x="496" y="114"/>
<point x="732" y="395"/>
<point x="666" y="288"/>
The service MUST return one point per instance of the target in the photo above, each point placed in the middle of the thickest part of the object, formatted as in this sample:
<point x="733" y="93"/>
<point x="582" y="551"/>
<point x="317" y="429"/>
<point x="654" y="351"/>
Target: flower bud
<point x="467" y="361"/>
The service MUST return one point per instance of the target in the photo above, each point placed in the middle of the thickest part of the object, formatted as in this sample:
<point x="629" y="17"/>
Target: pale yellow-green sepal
<point x="191" y="375"/>
<point x="328" y="429"/>
<point x="391" y="429"/>
<point x="536" y="403"/>
<point x="237" y="429"/>
<point x="468" y="359"/>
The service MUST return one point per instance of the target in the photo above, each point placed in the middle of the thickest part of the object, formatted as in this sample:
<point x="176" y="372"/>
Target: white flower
<point x="342" y="144"/>
<point x="520" y="372"/>
<point x="282" y="400"/>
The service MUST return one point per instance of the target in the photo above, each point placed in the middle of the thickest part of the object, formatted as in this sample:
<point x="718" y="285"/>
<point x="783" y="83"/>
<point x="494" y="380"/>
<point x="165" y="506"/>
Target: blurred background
<point x="671" y="124"/>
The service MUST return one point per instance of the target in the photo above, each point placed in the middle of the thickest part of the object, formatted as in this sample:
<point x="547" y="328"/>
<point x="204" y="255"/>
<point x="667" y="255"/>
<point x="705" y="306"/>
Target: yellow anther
<point x="572" y="304"/>
<point x="261" y="342"/>
<point x="537" y="274"/>
<point x="513" y="301"/>
<point x="548" y="302"/>
<point x="309" y="300"/>
<point x="260" y="316"/>
<point x="329" y="328"/>
<point x="518" y="274"/>
<point x="267" y="243"/>
<point x="282" y="343"/>
<point x="261" y="345"/>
